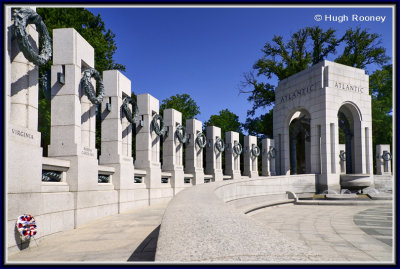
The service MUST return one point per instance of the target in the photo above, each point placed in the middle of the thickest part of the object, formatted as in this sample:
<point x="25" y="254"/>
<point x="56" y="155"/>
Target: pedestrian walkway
<point x="130" y="236"/>
<point x="338" y="233"/>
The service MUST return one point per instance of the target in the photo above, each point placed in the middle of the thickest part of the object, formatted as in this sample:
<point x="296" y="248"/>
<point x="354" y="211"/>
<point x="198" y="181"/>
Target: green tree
<point x="380" y="85"/>
<point x="183" y="103"/>
<point x="260" y="126"/>
<point x="226" y="120"/>
<point x="362" y="48"/>
<point x="91" y="28"/>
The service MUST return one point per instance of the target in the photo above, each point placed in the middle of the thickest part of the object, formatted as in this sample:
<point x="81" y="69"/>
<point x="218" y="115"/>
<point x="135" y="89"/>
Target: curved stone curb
<point x="343" y="202"/>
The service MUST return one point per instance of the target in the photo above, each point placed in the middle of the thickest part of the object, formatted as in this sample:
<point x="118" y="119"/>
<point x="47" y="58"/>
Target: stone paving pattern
<point x="130" y="236"/>
<point x="338" y="233"/>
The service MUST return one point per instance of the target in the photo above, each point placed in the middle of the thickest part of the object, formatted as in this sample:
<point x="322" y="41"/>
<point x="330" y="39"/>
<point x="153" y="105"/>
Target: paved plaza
<point x="130" y="236"/>
<point x="338" y="233"/>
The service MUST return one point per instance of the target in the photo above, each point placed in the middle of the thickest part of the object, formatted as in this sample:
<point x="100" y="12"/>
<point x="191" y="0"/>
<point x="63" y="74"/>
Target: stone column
<point x="213" y="156"/>
<point x="232" y="160"/>
<point x="24" y="154"/>
<point x="194" y="154"/>
<point x="116" y="137"/>
<point x="148" y="150"/>
<point x="383" y="167"/>
<point x="173" y="150"/>
<point x="342" y="164"/>
<point x="268" y="157"/>
<point x="73" y="127"/>
<point x="250" y="161"/>
<point x="23" y="138"/>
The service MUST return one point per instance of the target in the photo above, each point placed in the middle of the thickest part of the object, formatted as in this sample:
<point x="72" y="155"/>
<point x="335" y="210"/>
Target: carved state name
<point x="87" y="151"/>
<point x="22" y="133"/>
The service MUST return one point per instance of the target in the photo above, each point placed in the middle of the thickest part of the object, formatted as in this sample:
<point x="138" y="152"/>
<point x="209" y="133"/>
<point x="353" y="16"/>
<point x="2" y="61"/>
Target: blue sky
<point x="205" y="51"/>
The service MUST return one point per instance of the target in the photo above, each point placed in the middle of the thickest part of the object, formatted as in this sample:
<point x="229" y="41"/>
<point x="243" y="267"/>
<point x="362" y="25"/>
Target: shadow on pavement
<point x="146" y="251"/>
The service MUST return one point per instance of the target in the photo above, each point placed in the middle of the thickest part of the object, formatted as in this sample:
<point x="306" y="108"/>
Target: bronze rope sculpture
<point x="219" y="144"/>
<point x="181" y="134"/>
<point x="88" y="87"/>
<point x="22" y="17"/>
<point x="237" y="148"/>
<point x="201" y="140"/>
<point x="127" y="111"/>
<point x="158" y="129"/>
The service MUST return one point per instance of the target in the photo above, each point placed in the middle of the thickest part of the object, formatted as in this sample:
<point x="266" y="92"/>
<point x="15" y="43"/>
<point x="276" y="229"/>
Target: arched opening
<point x="299" y="140"/>
<point x="349" y="123"/>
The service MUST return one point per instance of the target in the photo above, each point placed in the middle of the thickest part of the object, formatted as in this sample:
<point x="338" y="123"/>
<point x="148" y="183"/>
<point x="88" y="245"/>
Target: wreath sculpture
<point x="342" y="156"/>
<point x="158" y="129"/>
<point x="387" y="156"/>
<point x="219" y="144"/>
<point x="237" y="148"/>
<point x="26" y="225"/>
<point x="181" y="133"/>
<point x="272" y="152"/>
<point x="127" y="111"/>
<point x="255" y="151"/>
<point x="22" y="17"/>
<point x="88" y="87"/>
<point x="201" y="140"/>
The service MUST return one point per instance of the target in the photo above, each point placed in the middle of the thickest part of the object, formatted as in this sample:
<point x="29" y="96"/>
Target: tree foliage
<point x="92" y="29"/>
<point x="260" y="126"/>
<point x="381" y="91"/>
<point x="226" y="120"/>
<point x="362" y="48"/>
<point x="184" y="104"/>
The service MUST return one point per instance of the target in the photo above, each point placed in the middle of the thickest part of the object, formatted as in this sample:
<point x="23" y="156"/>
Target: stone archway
<point x="350" y="134"/>
<point x="300" y="146"/>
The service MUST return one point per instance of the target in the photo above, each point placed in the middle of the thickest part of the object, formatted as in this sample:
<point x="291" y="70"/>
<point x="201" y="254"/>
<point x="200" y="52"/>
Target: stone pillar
<point x="232" y="160"/>
<point x="383" y="167"/>
<point x="24" y="154"/>
<point x="213" y="156"/>
<point x="173" y="150"/>
<point x="250" y="161"/>
<point x="116" y="137"/>
<point x="342" y="164"/>
<point x="194" y="154"/>
<point x="73" y="127"/>
<point x="268" y="157"/>
<point x="148" y="150"/>
<point x="23" y="138"/>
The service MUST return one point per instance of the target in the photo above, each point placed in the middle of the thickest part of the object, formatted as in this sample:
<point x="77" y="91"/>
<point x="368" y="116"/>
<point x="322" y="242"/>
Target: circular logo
<point x="318" y="17"/>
